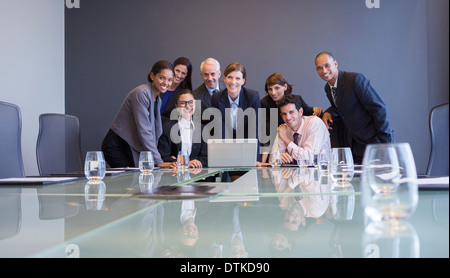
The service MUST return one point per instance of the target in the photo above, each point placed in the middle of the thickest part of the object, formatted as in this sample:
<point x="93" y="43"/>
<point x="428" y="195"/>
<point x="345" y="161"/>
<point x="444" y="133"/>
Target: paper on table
<point x="36" y="180"/>
<point x="440" y="180"/>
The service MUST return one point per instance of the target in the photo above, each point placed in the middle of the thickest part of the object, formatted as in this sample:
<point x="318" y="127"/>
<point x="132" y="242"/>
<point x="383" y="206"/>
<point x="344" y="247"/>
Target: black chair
<point x="11" y="161"/>
<point x="58" y="148"/>
<point x="438" y="162"/>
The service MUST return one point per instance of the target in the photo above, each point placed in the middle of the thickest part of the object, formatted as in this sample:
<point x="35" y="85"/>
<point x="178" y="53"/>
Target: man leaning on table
<point x="300" y="137"/>
<point x="358" y="115"/>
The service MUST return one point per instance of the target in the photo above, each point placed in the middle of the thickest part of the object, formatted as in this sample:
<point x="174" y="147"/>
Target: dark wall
<point x="112" y="44"/>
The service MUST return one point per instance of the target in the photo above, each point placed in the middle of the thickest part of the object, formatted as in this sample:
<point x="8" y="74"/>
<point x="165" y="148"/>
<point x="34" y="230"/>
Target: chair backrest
<point x="11" y="161"/>
<point x="438" y="162"/>
<point x="58" y="148"/>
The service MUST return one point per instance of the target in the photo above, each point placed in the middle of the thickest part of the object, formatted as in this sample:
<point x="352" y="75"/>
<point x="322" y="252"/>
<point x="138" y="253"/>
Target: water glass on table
<point x="146" y="163"/>
<point x="275" y="159"/>
<point x="94" y="166"/>
<point x="341" y="166"/>
<point x="182" y="161"/>
<point x="389" y="182"/>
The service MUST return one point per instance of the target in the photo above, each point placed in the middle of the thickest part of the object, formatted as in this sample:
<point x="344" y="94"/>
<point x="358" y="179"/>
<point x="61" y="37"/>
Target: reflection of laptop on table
<point x="232" y="152"/>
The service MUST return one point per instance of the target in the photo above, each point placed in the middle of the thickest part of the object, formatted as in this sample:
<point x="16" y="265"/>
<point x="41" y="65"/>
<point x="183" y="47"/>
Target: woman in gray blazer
<point x="137" y="126"/>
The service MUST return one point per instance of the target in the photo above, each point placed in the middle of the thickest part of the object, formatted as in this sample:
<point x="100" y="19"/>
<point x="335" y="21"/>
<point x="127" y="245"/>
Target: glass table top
<point x="257" y="213"/>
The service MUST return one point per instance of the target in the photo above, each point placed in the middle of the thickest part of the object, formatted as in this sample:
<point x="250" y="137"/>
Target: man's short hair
<point x="327" y="53"/>
<point x="210" y="61"/>
<point x="287" y="99"/>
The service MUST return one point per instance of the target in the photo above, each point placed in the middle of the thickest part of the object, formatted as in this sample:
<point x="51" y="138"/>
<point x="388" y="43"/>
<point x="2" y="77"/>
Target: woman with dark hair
<point x="233" y="103"/>
<point x="276" y="88"/>
<point x="182" y="68"/>
<point x="183" y="134"/>
<point x="137" y="126"/>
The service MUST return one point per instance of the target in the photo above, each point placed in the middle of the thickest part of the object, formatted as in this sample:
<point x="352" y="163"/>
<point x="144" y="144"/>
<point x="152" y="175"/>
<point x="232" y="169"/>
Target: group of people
<point x="162" y="116"/>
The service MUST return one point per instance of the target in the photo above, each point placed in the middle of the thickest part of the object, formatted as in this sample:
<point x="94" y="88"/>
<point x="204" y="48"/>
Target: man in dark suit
<point x="210" y="72"/>
<point x="358" y="115"/>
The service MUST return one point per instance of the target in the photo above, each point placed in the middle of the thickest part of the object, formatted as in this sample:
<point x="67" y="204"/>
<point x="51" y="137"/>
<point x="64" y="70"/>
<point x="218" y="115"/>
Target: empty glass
<point x="146" y="164"/>
<point x="341" y="166"/>
<point x="275" y="159"/>
<point x="94" y="166"/>
<point x="389" y="182"/>
<point x="182" y="161"/>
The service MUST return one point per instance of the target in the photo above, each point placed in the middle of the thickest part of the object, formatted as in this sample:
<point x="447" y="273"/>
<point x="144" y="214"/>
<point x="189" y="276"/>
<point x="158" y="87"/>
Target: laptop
<point x="232" y="152"/>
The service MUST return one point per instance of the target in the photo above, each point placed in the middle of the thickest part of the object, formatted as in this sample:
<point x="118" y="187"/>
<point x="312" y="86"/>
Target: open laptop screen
<point x="232" y="152"/>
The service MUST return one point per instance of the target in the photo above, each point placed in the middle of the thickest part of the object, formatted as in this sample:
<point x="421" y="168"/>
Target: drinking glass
<point x="389" y="182"/>
<point x="341" y="166"/>
<point x="146" y="164"/>
<point x="275" y="159"/>
<point x="182" y="161"/>
<point x="94" y="166"/>
<point x="324" y="160"/>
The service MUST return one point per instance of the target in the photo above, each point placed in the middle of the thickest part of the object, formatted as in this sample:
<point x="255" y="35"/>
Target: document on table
<point x="36" y="180"/>
<point x="441" y="183"/>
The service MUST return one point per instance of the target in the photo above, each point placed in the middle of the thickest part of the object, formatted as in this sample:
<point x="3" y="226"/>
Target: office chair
<point x="58" y="148"/>
<point x="11" y="161"/>
<point x="438" y="162"/>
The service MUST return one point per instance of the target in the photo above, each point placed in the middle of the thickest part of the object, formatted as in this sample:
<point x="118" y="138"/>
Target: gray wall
<point x="112" y="44"/>
<point x="32" y="64"/>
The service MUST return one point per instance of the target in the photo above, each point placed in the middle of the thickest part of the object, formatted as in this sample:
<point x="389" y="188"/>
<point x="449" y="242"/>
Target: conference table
<point x="269" y="212"/>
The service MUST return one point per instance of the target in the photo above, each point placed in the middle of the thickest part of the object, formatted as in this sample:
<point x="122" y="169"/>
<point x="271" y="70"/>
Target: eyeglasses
<point x="184" y="103"/>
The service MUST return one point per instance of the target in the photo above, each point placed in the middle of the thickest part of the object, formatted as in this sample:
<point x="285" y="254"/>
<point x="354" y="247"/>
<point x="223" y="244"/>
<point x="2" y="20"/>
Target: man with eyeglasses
<point x="210" y="73"/>
<point x="183" y="134"/>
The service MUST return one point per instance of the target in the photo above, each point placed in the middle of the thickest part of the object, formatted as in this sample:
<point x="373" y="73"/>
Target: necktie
<point x="214" y="91"/>
<point x="296" y="138"/>
<point x="296" y="135"/>
<point x="333" y="92"/>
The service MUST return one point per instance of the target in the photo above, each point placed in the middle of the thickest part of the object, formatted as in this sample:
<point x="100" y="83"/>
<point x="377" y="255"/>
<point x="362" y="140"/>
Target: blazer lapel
<point x="340" y="89"/>
<point x="328" y="92"/>
<point x="224" y="100"/>
<point x="243" y="102"/>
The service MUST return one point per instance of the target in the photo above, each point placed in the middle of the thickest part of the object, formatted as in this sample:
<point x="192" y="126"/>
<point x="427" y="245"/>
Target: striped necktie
<point x="333" y="92"/>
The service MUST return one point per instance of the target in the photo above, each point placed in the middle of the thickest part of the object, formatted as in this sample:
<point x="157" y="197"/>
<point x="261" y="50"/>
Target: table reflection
<point x="390" y="239"/>
<point x="295" y="212"/>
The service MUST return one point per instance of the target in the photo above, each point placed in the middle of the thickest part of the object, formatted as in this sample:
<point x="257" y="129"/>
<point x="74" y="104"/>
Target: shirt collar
<point x="299" y="130"/>
<point x="185" y="124"/>
<point x="236" y="101"/>
<point x="211" y="90"/>
<point x="335" y="84"/>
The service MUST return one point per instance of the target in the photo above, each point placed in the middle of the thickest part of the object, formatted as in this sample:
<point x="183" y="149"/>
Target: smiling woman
<point x="137" y="126"/>
<point x="183" y="135"/>
<point x="182" y="68"/>
<point x="238" y="105"/>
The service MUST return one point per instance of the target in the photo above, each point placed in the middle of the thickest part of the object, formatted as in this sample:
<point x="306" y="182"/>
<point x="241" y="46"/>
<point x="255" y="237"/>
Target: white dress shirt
<point x="186" y="131"/>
